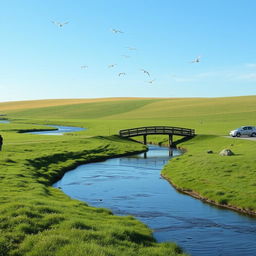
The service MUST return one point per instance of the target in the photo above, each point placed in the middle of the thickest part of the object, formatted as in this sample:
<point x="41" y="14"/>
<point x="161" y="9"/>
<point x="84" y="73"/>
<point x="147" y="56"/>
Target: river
<point x="133" y="186"/>
<point x="60" y="130"/>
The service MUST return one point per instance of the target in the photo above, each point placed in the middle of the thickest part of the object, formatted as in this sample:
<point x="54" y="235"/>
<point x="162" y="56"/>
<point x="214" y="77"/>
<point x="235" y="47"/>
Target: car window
<point x="244" y="128"/>
<point x="249" y="128"/>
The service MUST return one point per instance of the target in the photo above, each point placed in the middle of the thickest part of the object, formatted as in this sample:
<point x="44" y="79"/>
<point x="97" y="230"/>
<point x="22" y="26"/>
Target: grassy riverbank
<point x="225" y="181"/>
<point x="36" y="219"/>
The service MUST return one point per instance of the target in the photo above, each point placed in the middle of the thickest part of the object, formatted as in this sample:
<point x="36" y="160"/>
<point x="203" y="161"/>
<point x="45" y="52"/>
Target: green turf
<point x="84" y="110"/>
<point x="36" y="217"/>
<point x="207" y="116"/>
<point x="228" y="180"/>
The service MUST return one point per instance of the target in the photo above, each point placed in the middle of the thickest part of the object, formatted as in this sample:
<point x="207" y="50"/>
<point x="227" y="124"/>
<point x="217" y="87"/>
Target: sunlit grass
<point x="35" y="218"/>
<point x="228" y="180"/>
<point x="207" y="116"/>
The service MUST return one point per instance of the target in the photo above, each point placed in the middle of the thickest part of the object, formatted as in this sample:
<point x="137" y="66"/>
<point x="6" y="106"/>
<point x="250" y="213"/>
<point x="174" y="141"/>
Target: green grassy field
<point x="208" y="116"/>
<point x="228" y="181"/>
<point x="36" y="218"/>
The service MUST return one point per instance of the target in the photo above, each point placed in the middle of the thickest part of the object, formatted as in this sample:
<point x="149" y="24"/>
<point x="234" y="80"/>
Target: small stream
<point x="133" y="186"/>
<point x="60" y="130"/>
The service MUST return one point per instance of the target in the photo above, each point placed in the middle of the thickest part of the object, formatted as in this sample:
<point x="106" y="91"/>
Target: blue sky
<point x="39" y="60"/>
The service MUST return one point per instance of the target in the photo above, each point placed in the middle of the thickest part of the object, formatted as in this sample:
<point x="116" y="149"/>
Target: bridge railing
<point x="156" y="130"/>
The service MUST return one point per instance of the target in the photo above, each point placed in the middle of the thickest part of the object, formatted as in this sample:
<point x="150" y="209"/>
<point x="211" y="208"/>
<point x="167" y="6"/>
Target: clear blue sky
<point x="39" y="60"/>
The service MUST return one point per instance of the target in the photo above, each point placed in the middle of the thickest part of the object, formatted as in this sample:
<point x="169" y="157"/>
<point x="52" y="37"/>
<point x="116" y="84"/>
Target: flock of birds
<point x="117" y="31"/>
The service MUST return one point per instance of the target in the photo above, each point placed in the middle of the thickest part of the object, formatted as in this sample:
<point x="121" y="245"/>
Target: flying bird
<point x="117" y="31"/>
<point x="84" y="67"/>
<point x="196" y="60"/>
<point x="145" y="72"/>
<point x="131" y="48"/>
<point x="151" y="81"/>
<point x="60" y="24"/>
<point x="122" y="73"/>
<point x="126" y="56"/>
<point x="111" y="65"/>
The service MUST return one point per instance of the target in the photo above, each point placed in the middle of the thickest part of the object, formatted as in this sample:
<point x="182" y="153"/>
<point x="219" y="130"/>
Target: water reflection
<point x="133" y="186"/>
<point x="171" y="150"/>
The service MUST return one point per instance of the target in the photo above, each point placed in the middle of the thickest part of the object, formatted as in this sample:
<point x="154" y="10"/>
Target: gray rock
<point x="226" y="152"/>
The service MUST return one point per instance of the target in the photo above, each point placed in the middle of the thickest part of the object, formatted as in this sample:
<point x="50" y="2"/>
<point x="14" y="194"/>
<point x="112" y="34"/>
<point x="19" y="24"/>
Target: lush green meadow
<point x="207" y="115"/>
<point x="36" y="218"/>
<point x="225" y="180"/>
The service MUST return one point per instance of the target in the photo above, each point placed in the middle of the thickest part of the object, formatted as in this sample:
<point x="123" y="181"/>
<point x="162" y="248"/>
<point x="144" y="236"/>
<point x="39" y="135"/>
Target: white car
<point x="244" y="130"/>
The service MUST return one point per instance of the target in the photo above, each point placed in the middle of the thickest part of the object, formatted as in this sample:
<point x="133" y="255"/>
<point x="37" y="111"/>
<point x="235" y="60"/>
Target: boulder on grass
<point x="226" y="152"/>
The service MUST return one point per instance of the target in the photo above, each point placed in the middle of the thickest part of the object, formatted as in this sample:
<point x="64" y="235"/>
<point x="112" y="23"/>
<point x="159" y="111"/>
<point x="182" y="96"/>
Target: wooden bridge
<point x="152" y="130"/>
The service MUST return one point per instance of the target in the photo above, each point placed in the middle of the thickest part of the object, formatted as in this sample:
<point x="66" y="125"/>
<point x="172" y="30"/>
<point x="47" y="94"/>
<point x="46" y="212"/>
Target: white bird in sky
<point x="60" y="24"/>
<point x="126" y="56"/>
<point x="117" y="31"/>
<point x="131" y="48"/>
<point x="84" y="67"/>
<point x="112" y="65"/>
<point x="151" y="81"/>
<point x="145" y="72"/>
<point x="196" y="60"/>
<point x="122" y="73"/>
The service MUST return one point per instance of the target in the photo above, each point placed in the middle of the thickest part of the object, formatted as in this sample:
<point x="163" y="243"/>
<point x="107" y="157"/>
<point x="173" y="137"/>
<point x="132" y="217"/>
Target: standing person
<point x="1" y="142"/>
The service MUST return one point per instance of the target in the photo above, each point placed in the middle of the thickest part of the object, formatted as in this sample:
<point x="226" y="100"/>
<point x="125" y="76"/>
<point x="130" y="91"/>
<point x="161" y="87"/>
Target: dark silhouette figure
<point x="1" y="142"/>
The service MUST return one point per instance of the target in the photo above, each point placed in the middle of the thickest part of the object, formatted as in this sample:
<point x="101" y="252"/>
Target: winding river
<point x="60" y="130"/>
<point x="133" y="186"/>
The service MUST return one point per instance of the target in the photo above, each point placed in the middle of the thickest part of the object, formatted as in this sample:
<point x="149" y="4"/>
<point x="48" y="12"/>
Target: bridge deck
<point x="157" y="130"/>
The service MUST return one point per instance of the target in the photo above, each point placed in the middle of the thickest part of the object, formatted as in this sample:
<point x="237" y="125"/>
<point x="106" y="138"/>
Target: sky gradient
<point x="39" y="60"/>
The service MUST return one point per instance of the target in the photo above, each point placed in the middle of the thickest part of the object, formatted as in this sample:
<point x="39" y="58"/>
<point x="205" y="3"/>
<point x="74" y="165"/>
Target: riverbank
<point x="226" y="182"/>
<point x="37" y="219"/>
<point x="209" y="201"/>
<point x="26" y="221"/>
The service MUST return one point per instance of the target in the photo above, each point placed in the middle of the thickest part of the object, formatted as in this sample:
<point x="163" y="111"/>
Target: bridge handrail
<point x="165" y="127"/>
<point x="156" y="130"/>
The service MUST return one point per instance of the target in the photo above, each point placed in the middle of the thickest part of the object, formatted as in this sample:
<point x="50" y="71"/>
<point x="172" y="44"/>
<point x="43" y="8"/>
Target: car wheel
<point x="238" y="134"/>
<point x="253" y="134"/>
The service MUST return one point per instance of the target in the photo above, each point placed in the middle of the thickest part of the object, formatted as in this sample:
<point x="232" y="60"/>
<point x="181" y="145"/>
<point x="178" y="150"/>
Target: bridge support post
<point x="170" y="140"/>
<point x="145" y="139"/>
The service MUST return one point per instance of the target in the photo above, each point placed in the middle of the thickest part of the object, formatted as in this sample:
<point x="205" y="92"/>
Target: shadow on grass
<point x="182" y="140"/>
<point x="50" y="168"/>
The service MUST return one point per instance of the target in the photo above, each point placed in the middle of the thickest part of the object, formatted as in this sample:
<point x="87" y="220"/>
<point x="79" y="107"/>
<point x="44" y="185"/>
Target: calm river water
<point x="61" y="130"/>
<point x="133" y="186"/>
